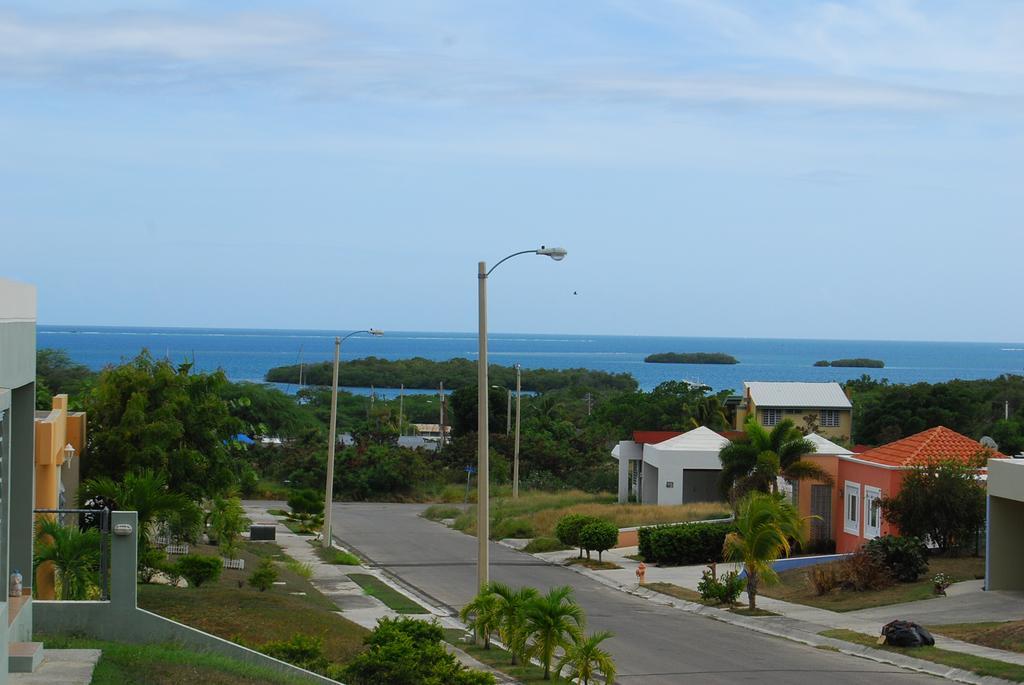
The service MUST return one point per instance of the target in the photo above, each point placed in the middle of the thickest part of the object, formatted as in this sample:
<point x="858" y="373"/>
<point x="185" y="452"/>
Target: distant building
<point x="821" y="408"/>
<point x="431" y="430"/>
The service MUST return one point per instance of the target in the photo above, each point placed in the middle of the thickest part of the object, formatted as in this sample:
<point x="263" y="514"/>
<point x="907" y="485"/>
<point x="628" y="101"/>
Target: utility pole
<point x="440" y="392"/>
<point x="508" y="413"/>
<point x="401" y="407"/>
<point x="515" y="458"/>
<point x="590" y="403"/>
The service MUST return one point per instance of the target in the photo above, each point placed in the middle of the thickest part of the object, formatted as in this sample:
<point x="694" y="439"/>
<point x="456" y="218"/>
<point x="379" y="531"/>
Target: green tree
<point x="264" y="576"/>
<point x="227" y="521"/>
<point x="755" y="463"/>
<point x="483" y="614"/>
<point x="764" y="527"/>
<point x="146" y="493"/>
<point x="56" y="373"/>
<point x="511" y="611"/>
<point x="943" y="500"/>
<point x="75" y="555"/>
<point x="553" y="620"/>
<point x="149" y="414"/>
<point x="584" y="659"/>
<point x="598" y="536"/>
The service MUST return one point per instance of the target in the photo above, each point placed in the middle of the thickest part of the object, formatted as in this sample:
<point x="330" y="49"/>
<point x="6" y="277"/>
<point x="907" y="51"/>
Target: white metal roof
<point x="700" y="439"/>
<point x="825" y="446"/>
<point x="810" y="395"/>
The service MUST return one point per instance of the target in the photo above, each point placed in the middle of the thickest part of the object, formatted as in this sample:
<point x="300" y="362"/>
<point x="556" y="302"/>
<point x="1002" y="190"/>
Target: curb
<point x="803" y="637"/>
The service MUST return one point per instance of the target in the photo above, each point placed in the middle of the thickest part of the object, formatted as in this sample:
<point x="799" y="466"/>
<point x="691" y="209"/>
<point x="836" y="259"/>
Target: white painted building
<point x="679" y="470"/>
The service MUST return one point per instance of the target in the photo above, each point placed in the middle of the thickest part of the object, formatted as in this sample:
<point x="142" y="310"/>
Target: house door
<point x="821" y="510"/>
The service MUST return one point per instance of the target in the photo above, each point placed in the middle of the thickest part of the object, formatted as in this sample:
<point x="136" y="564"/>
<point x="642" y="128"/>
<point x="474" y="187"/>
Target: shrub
<point x="544" y="544"/>
<point x="437" y="512"/>
<point x="513" y="528"/>
<point x="306" y="501"/>
<point x="906" y="557"/>
<point x="151" y="560"/>
<point x="568" y="528"/>
<point x="862" y="571"/>
<point x="264" y="576"/>
<point x="598" y="536"/>
<point x="725" y="589"/>
<point x="198" y="569"/>
<point x="824" y="578"/>
<point x="304" y="651"/>
<point x="685" y="543"/>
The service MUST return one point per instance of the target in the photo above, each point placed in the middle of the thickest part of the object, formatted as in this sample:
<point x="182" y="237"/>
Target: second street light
<point x="483" y="437"/>
<point x="331" y="441"/>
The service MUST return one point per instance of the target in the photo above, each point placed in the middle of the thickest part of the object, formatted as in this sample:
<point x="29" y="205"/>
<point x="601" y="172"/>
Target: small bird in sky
<point x="575" y="293"/>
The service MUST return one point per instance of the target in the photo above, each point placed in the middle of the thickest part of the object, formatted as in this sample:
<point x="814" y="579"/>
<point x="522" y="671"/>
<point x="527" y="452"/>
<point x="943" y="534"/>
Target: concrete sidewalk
<point x="965" y="603"/>
<point x="353" y="603"/>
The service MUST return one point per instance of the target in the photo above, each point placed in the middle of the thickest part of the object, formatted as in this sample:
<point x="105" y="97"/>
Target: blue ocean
<point x="246" y="354"/>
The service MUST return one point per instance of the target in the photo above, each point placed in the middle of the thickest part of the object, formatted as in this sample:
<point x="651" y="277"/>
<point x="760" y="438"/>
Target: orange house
<point x="861" y="480"/>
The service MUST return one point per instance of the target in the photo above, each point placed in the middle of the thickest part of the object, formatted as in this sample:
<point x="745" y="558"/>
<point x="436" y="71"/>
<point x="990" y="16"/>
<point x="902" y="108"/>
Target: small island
<point x="691" y="358"/>
<point x="858" y="363"/>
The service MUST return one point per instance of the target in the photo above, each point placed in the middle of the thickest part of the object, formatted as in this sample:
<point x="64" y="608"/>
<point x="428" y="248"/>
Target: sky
<point x="800" y="169"/>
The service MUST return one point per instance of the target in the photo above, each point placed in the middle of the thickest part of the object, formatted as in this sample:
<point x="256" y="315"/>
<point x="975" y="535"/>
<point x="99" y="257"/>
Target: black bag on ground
<point x="906" y="634"/>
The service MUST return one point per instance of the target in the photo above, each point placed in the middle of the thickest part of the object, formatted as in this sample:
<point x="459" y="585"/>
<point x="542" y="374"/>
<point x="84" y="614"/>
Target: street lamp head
<point x="375" y="331"/>
<point x="556" y="253"/>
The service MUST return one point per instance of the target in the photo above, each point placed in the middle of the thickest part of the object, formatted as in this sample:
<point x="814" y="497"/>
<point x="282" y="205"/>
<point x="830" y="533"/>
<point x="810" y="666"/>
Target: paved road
<point x="652" y="644"/>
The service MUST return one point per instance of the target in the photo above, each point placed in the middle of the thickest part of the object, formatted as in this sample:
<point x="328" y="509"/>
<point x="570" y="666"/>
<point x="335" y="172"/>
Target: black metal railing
<point x="89" y="518"/>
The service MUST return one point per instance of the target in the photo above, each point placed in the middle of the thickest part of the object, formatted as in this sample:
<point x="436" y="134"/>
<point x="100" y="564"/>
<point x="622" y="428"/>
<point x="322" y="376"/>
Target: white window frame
<point x="774" y="412"/>
<point x="851" y="524"/>
<point x="871" y="497"/>
<point x="833" y="418"/>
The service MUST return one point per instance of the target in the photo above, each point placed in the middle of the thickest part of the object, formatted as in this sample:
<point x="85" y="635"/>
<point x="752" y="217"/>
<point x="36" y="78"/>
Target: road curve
<point x="653" y="644"/>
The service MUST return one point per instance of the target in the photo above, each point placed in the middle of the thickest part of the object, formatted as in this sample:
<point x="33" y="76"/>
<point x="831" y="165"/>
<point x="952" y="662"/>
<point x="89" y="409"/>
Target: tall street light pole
<point x="482" y="428"/>
<point x="515" y="458"/>
<point x="331" y="441"/>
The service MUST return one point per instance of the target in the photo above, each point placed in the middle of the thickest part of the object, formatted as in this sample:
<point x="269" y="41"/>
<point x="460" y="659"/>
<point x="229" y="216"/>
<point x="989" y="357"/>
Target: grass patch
<point x="499" y="659"/>
<point x="335" y="556"/>
<point x="968" y="662"/>
<point x="165" y="664"/>
<point x="593" y="564"/>
<point x="676" y="591"/>
<point x="635" y="557"/>
<point x="1008" y="635"/>
<point x="299" y="568"/>
<point x="535" y="514"/>
<point x="394" y="599"/>
<point x="795" y="587"/>
<point x="231" y="609"/>
<point x="277" y="512"/>
<point x="297" y="528"/>
<point x="544" y="544"/>
<point x="747" y="611"/>
<point x="436" y="512"/>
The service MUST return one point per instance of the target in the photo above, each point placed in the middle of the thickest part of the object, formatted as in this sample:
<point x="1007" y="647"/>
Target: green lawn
<point x="1008" y="635"/>
<point x="232" y="610"/>
<point x="795" y="587"/>
<point x="168" y="664"/>
<point x="334" y="556"/>
<point x="499" y="659"/>
<point x="967" y="662"/>
<point x="394" y="599"/>
<point x="593" y="564"/>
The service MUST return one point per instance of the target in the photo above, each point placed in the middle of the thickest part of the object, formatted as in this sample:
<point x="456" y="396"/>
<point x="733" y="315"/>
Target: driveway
<point x="652" y="643"/>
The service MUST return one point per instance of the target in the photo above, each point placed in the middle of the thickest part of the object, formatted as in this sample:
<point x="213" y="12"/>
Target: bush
<point x="725" y="589"/>
<point x="151" y="560"/>
<point x="568" y="528"/>
<point x="306" y="501"/>
<point x="824" y="578"/>
<point x="905" y="557"/>
<point x="544" y="544"/>
<point x="684" y="543"/>
<point x="264" y="576"/>
<point x="862" y="571"/>
<point x="437" y="512"/>
<point x="198" y="569"/>
<point x="304" y="651"/>
<point x="513" y="528"/>
<point x="598" y="536"/>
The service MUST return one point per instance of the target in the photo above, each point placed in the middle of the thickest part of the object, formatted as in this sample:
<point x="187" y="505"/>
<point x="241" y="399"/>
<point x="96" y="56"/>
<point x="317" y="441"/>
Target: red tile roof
<point x="654" y="437"/>
<point x="733" y="436"/>
<point x="926" y="446"/>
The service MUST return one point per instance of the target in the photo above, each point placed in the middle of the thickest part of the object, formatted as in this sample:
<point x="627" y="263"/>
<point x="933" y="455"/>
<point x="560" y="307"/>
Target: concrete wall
<point x="649" y="484"/>
<point x="120" y="619"/>
<point x="864" y="475"/>
<point x="1004" y="555"/>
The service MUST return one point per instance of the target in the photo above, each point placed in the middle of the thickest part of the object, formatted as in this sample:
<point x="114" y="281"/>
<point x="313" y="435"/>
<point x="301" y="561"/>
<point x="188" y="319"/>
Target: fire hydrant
<point x="641" y="572"/>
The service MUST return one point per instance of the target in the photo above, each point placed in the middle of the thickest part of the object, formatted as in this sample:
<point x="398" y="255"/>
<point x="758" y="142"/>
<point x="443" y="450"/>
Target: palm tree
<point x="764" y="527"/>
<point x="709" y="412"/>
<point x="74" y="553"/>
<point x="585" y="659"/>
<point x="553" y="620"/>
<point x="145" y="492"/>
<point x="512" y="605"/>
<point x="756" y="462"/>
<point x="481" y="615"/>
